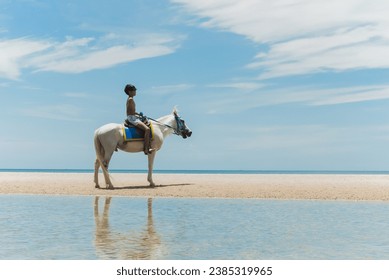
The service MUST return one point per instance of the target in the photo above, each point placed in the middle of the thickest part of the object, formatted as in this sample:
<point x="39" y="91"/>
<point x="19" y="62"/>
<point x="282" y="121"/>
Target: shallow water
<point x="58" y="227"/>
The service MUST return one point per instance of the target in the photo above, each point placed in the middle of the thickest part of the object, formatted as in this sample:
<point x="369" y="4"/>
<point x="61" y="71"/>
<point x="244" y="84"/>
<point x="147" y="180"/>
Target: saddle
<point x="133" y="133"/>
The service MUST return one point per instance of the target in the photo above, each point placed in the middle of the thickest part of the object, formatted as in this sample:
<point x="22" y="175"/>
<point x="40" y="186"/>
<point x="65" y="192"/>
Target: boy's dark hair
<point x="129" y="87"/>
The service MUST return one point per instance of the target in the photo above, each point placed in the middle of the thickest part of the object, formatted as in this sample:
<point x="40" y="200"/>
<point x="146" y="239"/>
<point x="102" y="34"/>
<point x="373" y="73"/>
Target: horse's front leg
<point x="151" y="158"/>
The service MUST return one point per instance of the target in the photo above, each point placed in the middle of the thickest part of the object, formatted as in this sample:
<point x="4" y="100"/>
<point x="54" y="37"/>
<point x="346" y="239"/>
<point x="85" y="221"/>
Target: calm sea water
<point x="66" y="227"/>
<point x="201" y="171"/>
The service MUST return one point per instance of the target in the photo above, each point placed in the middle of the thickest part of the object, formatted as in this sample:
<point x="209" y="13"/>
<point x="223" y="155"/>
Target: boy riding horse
<point x="132" y="116"/>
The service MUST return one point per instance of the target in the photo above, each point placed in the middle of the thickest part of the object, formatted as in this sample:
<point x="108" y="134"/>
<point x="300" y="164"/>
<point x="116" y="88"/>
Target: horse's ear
<point x="175" y="111"/>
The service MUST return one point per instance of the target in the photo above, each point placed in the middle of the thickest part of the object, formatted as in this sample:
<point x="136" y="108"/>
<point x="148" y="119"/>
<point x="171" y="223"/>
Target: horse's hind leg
<point x="96" y="180"/>
<point x="105" y="146"/>
<point x="107" y="159"/>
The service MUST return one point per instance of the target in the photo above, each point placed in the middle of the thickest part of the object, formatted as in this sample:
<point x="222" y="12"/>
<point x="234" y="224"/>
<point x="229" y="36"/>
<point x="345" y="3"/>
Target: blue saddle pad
<point x="135" y="134"/>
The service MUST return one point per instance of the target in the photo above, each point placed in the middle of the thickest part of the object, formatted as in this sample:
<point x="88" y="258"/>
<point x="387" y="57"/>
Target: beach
<point x="256" y="186"/>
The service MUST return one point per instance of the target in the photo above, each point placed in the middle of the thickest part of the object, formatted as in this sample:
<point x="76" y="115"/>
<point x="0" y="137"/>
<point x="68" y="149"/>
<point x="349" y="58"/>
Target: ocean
<point x="202" y="171"/>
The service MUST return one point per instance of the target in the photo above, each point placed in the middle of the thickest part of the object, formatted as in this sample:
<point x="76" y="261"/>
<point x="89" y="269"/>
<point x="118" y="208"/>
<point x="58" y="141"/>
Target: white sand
<point x="328" y="187"/>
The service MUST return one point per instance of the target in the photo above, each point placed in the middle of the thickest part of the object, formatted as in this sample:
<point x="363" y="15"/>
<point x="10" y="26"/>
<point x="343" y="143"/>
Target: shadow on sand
<point x="147" y="187"/>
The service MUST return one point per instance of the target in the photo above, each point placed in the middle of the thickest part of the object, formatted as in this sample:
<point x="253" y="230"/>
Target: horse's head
<point x="182" y="128"/>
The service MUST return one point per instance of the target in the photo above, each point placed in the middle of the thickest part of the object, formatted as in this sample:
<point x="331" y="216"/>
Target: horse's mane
<point x="164" y="118"/>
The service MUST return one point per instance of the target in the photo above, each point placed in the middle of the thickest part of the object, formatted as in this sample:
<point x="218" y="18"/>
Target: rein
<point x="166" y="125"/>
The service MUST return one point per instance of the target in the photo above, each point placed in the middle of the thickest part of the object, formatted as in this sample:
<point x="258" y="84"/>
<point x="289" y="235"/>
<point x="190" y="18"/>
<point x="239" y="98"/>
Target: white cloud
<point x="303" y="36"/>
<point x="77" y="95"/>
<point x="172" y="88"/>
<point x="357" y="95"/>
<point x="13" y="52"/>
<point x="103" y="58"/>
<point x="232" y="103"/>
<point x="239" y="85"/>
<point x="356" y="49"/>
<point x="77" y="55"/>
<point x="62" y="112"/>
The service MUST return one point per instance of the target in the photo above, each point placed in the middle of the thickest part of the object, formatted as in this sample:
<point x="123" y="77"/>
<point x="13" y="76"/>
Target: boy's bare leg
<point x="146" y="129"/>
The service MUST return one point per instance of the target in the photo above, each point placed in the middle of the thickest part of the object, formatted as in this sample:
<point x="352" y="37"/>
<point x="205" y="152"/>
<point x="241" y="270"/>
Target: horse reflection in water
<point x="110" y="244"/>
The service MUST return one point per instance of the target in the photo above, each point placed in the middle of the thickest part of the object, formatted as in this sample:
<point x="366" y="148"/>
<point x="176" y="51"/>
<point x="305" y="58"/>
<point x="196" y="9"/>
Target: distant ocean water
<point x="141" y="171"/>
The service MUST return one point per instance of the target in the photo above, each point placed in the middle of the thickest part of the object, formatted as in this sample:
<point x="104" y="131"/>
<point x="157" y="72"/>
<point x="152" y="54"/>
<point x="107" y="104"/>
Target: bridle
<point x="179" y="121"/>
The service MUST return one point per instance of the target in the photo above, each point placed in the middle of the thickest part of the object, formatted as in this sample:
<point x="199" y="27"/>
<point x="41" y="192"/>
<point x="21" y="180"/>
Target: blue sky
<point x="268" y="85"/>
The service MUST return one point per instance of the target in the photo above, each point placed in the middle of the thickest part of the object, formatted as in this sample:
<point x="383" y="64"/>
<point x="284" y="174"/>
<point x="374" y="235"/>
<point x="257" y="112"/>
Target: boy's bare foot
<point x="149" y="151"/>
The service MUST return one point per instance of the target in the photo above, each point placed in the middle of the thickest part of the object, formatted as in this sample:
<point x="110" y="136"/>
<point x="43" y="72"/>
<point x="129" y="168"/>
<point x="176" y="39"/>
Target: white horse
<point x="109" y="138"/>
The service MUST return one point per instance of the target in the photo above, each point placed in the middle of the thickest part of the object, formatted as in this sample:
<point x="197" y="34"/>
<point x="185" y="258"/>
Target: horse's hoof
<point x="109" y="187"/>
<point x="97" y="187"/>
<point x="152" y="185"/>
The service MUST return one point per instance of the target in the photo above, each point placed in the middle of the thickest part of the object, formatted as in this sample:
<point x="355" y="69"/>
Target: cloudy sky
<point x="264" y="85"/>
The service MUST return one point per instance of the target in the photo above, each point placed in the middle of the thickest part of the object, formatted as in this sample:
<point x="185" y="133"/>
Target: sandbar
<point x="256" y="186"/>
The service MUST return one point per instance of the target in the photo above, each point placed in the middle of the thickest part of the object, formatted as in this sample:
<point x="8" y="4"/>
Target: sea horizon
<point x="200" y="171"/>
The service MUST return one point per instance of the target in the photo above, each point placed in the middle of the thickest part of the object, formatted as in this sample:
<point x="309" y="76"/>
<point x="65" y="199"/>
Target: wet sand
<point x="261" y="186"/>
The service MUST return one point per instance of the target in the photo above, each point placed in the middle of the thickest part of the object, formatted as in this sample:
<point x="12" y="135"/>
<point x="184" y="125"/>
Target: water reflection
<point x="110" y="243"/>
<point x="63" y="227"/>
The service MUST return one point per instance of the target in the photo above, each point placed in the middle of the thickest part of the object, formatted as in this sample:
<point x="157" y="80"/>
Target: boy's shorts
<point x="133" y="119"/>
